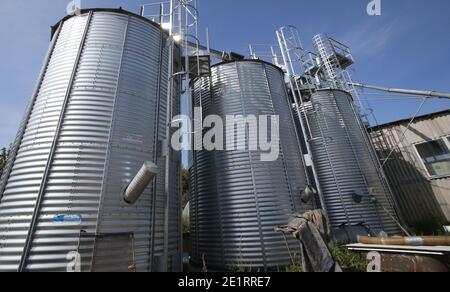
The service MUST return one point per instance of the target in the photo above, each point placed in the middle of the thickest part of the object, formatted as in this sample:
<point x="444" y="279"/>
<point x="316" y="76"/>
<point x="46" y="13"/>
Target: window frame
<point x="446" y="140"/>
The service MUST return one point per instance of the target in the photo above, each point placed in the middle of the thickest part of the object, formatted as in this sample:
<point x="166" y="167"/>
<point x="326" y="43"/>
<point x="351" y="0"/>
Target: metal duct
<point x="354" y="189"/>
<point x="100" y="110"/>
<point x="140" y="182"/>
<point x="238" y="200"/>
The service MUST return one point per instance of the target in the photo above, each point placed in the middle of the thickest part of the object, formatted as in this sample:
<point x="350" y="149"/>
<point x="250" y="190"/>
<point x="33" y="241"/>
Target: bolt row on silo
<point x="238" y="199"/>
<point x="98" y="113"/>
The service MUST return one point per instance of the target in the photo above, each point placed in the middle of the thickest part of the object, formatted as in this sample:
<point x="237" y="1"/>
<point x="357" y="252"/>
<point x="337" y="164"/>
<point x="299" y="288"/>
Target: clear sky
<point x="408" y="46"/>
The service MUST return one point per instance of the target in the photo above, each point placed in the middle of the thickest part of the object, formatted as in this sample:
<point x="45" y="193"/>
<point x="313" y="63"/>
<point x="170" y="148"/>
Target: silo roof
<point x="112" y="10"/>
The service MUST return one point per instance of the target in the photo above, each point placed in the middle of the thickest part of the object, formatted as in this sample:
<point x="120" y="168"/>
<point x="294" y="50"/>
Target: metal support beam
<point x="221" y="55"/>
<point x="299" y="104"/>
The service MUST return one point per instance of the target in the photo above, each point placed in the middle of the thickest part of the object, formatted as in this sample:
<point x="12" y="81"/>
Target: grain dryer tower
<point x="100" y="110"/>
<point x="238" y="199"/>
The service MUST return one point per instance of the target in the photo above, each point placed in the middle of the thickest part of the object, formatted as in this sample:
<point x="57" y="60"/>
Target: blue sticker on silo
<point x="67" y="219"/>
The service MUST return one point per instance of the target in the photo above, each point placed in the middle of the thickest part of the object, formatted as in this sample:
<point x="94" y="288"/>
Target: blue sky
<point x="407" y="46"/>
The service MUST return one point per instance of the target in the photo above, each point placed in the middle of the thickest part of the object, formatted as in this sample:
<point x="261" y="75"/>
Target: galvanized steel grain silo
<point x="354" y="189"/>
<point x="98" y="113"/>
<point x="238" y="199"/>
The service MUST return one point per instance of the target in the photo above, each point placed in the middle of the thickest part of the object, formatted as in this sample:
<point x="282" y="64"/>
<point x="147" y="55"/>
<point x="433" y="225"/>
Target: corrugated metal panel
<point x="422" y="199"/>
<point x="345" y="163"/>
<point x="108" y="129"/>
<point x="20" y="195"/>
<point x="238" y="200"/>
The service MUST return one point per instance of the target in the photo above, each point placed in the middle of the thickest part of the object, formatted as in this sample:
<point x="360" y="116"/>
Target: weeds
<point x="295" y="267"/>
<point x="348" y="260"/>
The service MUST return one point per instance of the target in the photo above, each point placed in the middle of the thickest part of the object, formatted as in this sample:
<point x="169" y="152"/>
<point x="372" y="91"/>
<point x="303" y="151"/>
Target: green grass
<point x="348" y="260"/>
<point x="295" y="268"/>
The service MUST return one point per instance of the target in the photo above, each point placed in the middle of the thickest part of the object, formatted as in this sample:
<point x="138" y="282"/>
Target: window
<point x="436" y="156"/>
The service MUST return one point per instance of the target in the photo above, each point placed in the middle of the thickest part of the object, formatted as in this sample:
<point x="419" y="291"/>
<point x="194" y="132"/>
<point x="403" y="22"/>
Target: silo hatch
<point x="113" y="251"/>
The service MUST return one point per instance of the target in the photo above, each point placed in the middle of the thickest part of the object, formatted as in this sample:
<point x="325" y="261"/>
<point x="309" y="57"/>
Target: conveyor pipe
<point x="429" y="94"/>
<point x="407" y="241"/>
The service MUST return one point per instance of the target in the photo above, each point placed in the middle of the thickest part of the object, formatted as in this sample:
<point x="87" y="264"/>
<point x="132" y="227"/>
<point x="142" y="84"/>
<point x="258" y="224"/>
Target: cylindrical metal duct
<point x="354" y="189"/>
<point x="99" y="112"/>
<point x="238" y="199"/>
<point x="140" y="182"/>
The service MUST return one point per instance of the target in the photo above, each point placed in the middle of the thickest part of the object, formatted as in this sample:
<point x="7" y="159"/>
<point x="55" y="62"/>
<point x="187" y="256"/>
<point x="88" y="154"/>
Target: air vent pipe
<point x="140" y="182"/>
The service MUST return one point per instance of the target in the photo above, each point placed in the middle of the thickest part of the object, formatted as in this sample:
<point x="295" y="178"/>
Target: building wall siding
<point x="420" y="198"/>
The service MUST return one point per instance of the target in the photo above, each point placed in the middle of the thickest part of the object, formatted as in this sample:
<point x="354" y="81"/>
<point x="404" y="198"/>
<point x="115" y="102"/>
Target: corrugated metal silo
<point x="347" y="166"/>
<point x="99" y="111"/>
<point x="238" y="199"/>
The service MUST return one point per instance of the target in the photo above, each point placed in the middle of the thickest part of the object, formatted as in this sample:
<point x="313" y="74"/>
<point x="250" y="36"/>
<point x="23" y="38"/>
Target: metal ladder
<point x="335" y="73"/>
<point x="329" y="61"/>
<point x="181" y="19"/>
<point x="290" y="44"/>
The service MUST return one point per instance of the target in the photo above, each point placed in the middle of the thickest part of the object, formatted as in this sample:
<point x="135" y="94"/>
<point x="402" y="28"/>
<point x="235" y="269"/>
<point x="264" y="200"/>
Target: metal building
<point x="99" y="110"/>
<point x="353" y="188"/>
<point x="418" y="168"/>
<point x="238" y="199"/>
